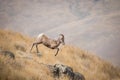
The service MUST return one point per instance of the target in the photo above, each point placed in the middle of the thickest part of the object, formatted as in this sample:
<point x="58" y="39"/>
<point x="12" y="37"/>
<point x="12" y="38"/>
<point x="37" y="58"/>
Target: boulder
<point x="58" y="70"/>
<point x="78" y="76"/>
<point x="7" y="53"/>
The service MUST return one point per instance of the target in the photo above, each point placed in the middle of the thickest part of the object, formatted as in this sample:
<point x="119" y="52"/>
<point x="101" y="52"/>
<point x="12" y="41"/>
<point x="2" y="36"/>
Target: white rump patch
<point x="40" y="35"/>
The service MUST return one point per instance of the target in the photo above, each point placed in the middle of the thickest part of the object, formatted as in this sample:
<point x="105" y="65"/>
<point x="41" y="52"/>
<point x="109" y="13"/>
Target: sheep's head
<point x="61" y="39"/>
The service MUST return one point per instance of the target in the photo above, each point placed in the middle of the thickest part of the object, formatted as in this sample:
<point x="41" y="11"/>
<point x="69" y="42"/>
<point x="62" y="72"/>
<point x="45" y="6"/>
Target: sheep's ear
<point x="60" y="36"/>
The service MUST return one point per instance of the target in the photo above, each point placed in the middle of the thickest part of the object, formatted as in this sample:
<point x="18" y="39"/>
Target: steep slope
<point x="26" y="66"/>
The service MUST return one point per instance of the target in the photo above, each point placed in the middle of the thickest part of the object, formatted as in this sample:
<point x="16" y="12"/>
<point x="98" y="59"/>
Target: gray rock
<point x="78" y="76"/>
<point x="59" y="70"/>
<point x="7" y="53"/>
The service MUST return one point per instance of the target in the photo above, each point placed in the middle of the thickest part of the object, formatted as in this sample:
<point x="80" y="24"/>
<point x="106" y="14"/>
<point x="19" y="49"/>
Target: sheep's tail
<point x="40" y="35"/>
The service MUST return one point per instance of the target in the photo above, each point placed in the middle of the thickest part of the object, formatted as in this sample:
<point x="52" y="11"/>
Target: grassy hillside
<point x="26" y="67"/>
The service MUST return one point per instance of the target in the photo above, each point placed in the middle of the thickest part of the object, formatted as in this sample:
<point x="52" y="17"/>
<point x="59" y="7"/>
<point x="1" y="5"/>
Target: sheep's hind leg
<point x="38" y="53"/>
<point x="37" y="48"/>
<point x="32" y="47"/>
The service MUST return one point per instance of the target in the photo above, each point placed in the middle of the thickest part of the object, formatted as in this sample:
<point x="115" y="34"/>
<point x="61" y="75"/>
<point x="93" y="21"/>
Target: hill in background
<point x="25" y="66"/>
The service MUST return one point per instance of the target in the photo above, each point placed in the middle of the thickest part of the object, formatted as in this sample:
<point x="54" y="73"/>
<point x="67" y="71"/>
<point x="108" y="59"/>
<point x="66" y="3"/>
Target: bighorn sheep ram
<point x="48" y="42"/>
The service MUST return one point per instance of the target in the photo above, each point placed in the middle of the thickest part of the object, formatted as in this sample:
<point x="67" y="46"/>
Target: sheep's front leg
<point x="57" y="51"/>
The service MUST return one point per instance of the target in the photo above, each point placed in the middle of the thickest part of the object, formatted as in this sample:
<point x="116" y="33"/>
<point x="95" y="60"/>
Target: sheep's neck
<point x="58" y="43"/>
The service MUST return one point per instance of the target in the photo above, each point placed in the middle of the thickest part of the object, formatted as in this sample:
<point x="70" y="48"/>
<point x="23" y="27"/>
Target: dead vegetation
<point x="28" y="67"/>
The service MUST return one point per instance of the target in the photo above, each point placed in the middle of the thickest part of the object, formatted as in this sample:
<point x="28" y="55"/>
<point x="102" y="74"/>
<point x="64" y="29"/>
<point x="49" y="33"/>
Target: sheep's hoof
<point x="56" y="55"/>
<point x="39" y="54"/>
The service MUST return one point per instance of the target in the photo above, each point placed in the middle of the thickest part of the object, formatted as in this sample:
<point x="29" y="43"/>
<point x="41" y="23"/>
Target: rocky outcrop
<point x="7" y="53"/>
<point x="59" y="70"/>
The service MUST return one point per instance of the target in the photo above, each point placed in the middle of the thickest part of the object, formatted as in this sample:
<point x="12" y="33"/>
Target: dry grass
<point x="22" y="68"/>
